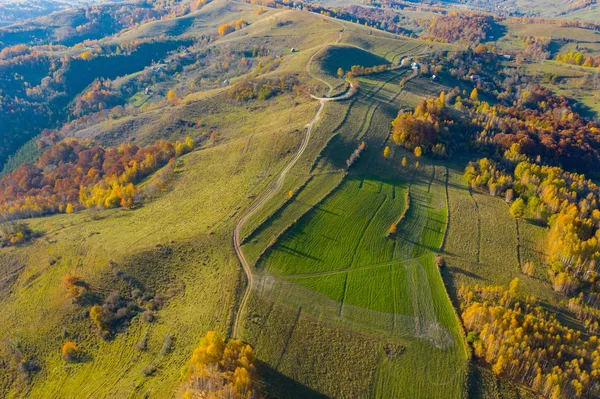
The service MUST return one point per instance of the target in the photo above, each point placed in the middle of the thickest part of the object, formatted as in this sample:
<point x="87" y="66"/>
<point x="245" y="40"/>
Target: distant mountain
<point x="16" y="10"/>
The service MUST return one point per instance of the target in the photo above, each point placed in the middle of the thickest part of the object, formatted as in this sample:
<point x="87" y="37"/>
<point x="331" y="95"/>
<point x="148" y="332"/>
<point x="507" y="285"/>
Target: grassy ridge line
<point x="447" y="213"/>
<point x="335" y="133"/>
<point x="298" y="219"/>
<point x="267" y="195"/>
<point x="274" y="215"/>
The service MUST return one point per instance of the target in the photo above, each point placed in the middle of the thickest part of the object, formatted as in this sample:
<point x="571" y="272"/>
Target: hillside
<point x="375" y="201"/>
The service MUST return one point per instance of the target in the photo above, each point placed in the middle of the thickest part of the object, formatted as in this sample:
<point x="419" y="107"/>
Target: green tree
<point x="517" y="209"/>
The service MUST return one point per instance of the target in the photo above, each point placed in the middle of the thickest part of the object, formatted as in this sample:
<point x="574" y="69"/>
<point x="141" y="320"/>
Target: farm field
<point x="332" y="264"/>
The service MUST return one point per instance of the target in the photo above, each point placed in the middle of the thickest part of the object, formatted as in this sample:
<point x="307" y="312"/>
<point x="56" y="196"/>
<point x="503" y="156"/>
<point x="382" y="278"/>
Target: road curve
<point x="272" y="190"/>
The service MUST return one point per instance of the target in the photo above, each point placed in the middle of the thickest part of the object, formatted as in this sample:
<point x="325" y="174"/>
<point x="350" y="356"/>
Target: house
<point x="415" y="66"/>
<point x="434" y="78"/>
<point x="293" y="50"/>
<point x="476" y="78"/>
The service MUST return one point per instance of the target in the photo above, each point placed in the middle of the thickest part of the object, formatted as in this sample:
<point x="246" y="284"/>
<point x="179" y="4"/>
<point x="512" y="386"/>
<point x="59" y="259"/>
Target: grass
<point x="332" y="293"/>
<point x="345" y="57"/>
<point x="336" y="263"/>
<point x="178" y="242"/>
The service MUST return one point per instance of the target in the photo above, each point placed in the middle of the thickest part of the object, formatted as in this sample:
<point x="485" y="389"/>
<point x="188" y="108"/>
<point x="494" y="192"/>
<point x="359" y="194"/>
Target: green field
<point x="324" y="258"/>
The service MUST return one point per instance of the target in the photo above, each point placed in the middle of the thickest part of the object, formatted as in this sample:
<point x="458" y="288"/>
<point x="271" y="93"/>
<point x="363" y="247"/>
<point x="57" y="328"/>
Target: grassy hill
<point x="338" y="307"/>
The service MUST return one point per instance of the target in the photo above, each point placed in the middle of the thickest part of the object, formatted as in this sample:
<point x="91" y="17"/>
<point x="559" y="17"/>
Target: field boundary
<point x="277" y="211"/>
<point x="270" y="192"/>
<point x="291" y="225"/>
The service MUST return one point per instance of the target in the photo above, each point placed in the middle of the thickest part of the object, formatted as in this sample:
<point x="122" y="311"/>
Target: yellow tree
<point x="172" y="97"/>
<point x="418" y="151"/>
<point x="340" y="73"/>
<point x="69" y="208"/>
<point x="404" y="161"/>
<point x="87" y="55"/>
<point x="386" y="151"/>
<point x="517" y="209"/>
<point x="69" y="351"/>
<point x="474" y="95"/>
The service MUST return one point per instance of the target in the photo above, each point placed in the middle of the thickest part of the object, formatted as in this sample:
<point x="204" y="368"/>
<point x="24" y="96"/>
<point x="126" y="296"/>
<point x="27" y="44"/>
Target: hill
<point x="392" y="231"/>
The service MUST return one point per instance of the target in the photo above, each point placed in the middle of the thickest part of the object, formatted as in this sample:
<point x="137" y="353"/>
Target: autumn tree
<point x="474" y="95"/>
<point x="392" y="230"/>
<point x="87" y="55"/>
<point x="172" y="97"/>
<point x="221" y="369"/>
<point x="340" y="73"/>
<point x="517" y="209"/>
<point x="70" y="351"/>
<point x="100" y="318"/>
<point x="418" y="151"/>
<point x="75" y="287"/>
<point x="386" y="151"/>
<point x="404" y="162"/>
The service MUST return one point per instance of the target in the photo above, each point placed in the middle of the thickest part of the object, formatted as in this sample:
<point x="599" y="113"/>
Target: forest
<point x="71" y="175"/>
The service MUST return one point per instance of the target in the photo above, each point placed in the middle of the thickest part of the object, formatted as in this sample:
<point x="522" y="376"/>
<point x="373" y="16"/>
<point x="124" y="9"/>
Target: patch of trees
<point x="461" y="27"/>
<point x="113" y="312"/>
<point x="356" y="154"/>
<point x="230" y="27"/>
<point x="541" y="123"/>
<point x="15" y="233"/>
<point x="263" y="89"/>
<point x="536" y="47"/>
<point x="521" y="341"/>
<point x="35" y="91"/>
<point x="567" y="202"/>
<point x="577" y="58"/>
<point x="97" y="97"/>
<point x="427" y="127"/>
<point x="358" y="70"/>
<point x="571" y="23"/>
<point x="221" y="370"/>
<point x="71" y="175"/>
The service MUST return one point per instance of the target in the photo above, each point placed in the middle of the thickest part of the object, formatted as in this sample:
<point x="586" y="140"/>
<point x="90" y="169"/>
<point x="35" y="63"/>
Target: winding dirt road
<point x="273" y="189"/>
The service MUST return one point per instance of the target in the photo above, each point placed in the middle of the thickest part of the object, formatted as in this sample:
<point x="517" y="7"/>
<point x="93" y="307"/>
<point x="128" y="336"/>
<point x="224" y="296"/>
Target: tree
<point x="474" y="95"/>
<point x="404" y="161"/>
<point x="70" y="351"/>
<point x="480" y="49"/>
<point x="442" y="99"/>
<point x="386" y="151"/>
<point x="513" y="287"/>
<point x="440" y="261"/>
<point x="418" y="151"/>
<point x="87" y="55"/>
<point x="392" y="230"/>
<point x="417" y="164"/>
<point x="98" y="316"/>
<point x="517" y="209"/>
<point x="340" y="73"/>
<point x="290" y="194"/>
<point x="75" y="288"/>
<point x="221" y="370"/>
<point x="528" y="269"/>
<point x="172" y="97"/>
<point x="69" y="208"/>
